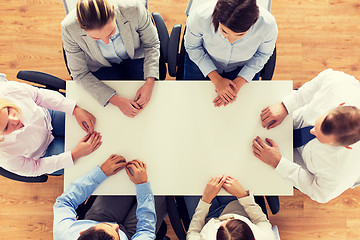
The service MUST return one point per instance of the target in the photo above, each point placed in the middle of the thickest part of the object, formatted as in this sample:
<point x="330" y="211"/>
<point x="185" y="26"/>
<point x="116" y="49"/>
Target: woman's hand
<point x="212" y="188"/>
<point x="143" y="95"/>
<point x="87" y="145"/>
<point x="136" y="170"/>
<point x="239" y="82"/>
<point x="127" y="107"/>
<point x="224" y="87"/>
<point x="232" y="186"/>
<point x="85" y="119"/>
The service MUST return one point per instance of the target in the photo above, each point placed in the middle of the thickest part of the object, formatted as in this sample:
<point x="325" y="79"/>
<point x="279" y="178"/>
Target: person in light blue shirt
<point x="116" y="219"/>
<point x="228" y="42"/>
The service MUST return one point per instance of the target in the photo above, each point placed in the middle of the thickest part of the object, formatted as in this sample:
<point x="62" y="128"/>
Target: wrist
<point x="284" y="107"/>
<point x="76" y="109"/>
<point x="74" y="154"/>
<point x="206" y="199"/>
<point x="242" y="194"/>
<point x="116" y="100"/>
<point x="150" y="80"/>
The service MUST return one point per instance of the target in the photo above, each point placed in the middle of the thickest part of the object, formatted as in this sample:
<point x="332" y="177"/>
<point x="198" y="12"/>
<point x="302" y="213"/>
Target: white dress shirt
<point x="322" y="172"/>
<point x="21" y="151"/>
<point x="258" y="223"/>
<point x="212" y="51"/>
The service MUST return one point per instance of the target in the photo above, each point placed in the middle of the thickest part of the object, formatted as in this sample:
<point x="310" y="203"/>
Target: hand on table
<point x="273" y="115"/>
<point x="113" y="164"/>
<point x="136" y="170"/>
<point x="267" y="152"/>
<point x="87" y="145"/>
<point x="85" y="119"/>
<point x="128" y="107"/>
<point x="212" y="188"/>
<point x="143" y="95"/>
<point x="239" y="82"/>
<point x="232" y="186"/>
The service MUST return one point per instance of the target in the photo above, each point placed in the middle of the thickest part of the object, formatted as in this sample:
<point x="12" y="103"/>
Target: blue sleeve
<point x="145" y="213"/>
<point x="77" y="192"/>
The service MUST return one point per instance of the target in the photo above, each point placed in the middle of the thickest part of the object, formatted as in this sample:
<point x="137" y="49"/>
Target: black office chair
<point x="180" y="220"/>
<point x="47" y="81"/>
<point x="84" y="207"/>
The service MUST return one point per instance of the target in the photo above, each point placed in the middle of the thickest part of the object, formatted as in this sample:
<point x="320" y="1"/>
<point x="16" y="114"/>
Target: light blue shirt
<point x="66" y="226"/>
<point x="115" y="50"/>
<point x="211" y="51"/>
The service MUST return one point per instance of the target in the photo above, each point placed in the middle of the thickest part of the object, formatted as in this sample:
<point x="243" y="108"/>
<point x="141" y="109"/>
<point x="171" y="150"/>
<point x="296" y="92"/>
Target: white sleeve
<point x="198" y="220"/>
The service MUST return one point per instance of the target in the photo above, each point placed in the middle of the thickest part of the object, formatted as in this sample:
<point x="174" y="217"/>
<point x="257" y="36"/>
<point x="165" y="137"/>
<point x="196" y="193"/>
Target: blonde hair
<point x="5" y="104"/>
<point x="94" y="14"/>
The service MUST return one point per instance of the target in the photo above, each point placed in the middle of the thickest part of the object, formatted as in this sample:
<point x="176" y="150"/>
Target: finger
<point x="231" y="98"/>
<point x="256" y="145"/>
<point x="231" y="92"/>
<point x="97" y="146"/>
<point x="112" y="156"/>
<point x="261" y="142"/>
<point x="136" y="164"/>
<point x="265" y="110"/>
<point x="273" y="124"/>
<point x="135" y="105"/>
<point x="87" y="136"/>
<point x="137" y="96"/>
<point x="257" y="155"/>
<point x="117" y="170"/>
<point x="264" y="115"/>
<point x="128" y="172"/>
<point x="216" y="99"/>
<point x="225" y="97"/>
<point x="271" y="142"/>
<point x="256" y="150"/>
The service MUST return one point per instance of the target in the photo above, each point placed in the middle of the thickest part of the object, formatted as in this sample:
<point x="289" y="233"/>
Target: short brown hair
<point x="344" y="123"/>
<point x="95" y="234"/>
<point x="237" y="15"/>
<point x="235" y="230"/>
<point x="94" y="14"/>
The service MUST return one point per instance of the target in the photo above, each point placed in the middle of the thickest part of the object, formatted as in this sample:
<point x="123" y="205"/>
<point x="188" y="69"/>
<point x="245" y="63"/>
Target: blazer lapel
<point x="125" y="32"/>
<point x="94" y="49"/>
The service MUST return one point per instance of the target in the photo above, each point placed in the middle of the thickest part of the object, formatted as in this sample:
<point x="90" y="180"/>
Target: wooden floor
<point x="313" y="35"/>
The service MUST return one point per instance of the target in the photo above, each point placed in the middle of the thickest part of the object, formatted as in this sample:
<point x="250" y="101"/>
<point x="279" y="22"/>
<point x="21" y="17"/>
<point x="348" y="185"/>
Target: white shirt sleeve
<point x="198" y="220"/>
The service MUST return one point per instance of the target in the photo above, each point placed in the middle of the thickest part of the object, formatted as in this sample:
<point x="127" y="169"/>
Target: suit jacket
<point x="84" y="56"/>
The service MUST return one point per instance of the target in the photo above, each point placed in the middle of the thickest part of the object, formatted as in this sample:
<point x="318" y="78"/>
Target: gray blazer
<point x="84" y="56"/>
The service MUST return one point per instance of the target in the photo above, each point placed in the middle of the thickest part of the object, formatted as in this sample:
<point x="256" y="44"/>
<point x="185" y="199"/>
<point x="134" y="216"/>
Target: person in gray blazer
<point x="112" y="40"/>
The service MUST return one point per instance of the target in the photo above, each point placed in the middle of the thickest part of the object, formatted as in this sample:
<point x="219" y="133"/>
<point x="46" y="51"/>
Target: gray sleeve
<point x="77" y="64"/>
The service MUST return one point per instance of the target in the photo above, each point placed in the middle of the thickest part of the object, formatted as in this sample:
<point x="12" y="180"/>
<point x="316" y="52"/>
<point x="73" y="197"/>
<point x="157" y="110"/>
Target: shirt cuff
<point x="290" y="102"/>
<point x="248" y="200"/>
<point x="107" y="102"/>
<point x="203" y="204"/>
<point x="97" y="174"/>
<point x="284" y="167"/>
<point x="143" y="189"/>
<point x="247" y="73"/>
<point x="67" y="160"/>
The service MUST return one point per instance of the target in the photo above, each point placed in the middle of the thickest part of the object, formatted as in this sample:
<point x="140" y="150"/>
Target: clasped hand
<point x="228" y="183"/>
<point x="135" y="169"/>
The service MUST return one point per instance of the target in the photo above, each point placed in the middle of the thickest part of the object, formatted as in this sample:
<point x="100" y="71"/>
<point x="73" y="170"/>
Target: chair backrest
<point x="194" y="3"/>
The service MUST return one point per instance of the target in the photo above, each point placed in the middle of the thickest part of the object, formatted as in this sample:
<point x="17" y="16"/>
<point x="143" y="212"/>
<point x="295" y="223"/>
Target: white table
<point x="183" y="138"/>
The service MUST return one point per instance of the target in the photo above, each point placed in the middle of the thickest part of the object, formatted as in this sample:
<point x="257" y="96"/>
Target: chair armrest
<point x="163" y="34"/>
<point x="173" y="49"/>
<point x="50" y="81"/>
<point x="268" y="69"/>
<point x="13" y="176"/>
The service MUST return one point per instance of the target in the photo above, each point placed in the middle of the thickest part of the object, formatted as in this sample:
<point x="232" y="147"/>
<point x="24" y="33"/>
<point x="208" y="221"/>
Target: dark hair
<point x="95" y="234"/>
<point x="237" y="15"/>
<point x="94" y="14"/>
<point x="235" y="230"/>
<point x="344" y="123"/>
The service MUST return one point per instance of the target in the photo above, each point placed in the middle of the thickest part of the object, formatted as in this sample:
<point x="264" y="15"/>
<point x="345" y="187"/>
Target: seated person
<point x="112" y="40"/>
<point x="228" y="41"/>
<point x="327" y="165"/>
<point x="32" y="130"/>
<point x="239" y="218"/>
<point x="110" y="217"/>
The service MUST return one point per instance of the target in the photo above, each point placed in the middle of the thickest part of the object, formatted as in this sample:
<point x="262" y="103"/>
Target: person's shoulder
<point x="129" y="4"/>
<point x="70" y="19"/>
<point x="202" y="13"/>
<point x="266" y="17"/>
<point x="336" y="75"/>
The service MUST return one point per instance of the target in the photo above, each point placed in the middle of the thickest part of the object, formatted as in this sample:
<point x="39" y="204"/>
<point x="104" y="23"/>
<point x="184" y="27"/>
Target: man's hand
<point x="85" y="119"/>
<point x="267" y="152"/>
<point x="113" y="164"/>
<point x="143" y="95"/>
<point x="212" y="188"/>
<point x="136" y="170"/>
<point x="87" y="145"/>
<point x="127" y="107"/>
<point x="233" y="187"/>
<point x="239" y="82"/>
<point x="273" y="115"/>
